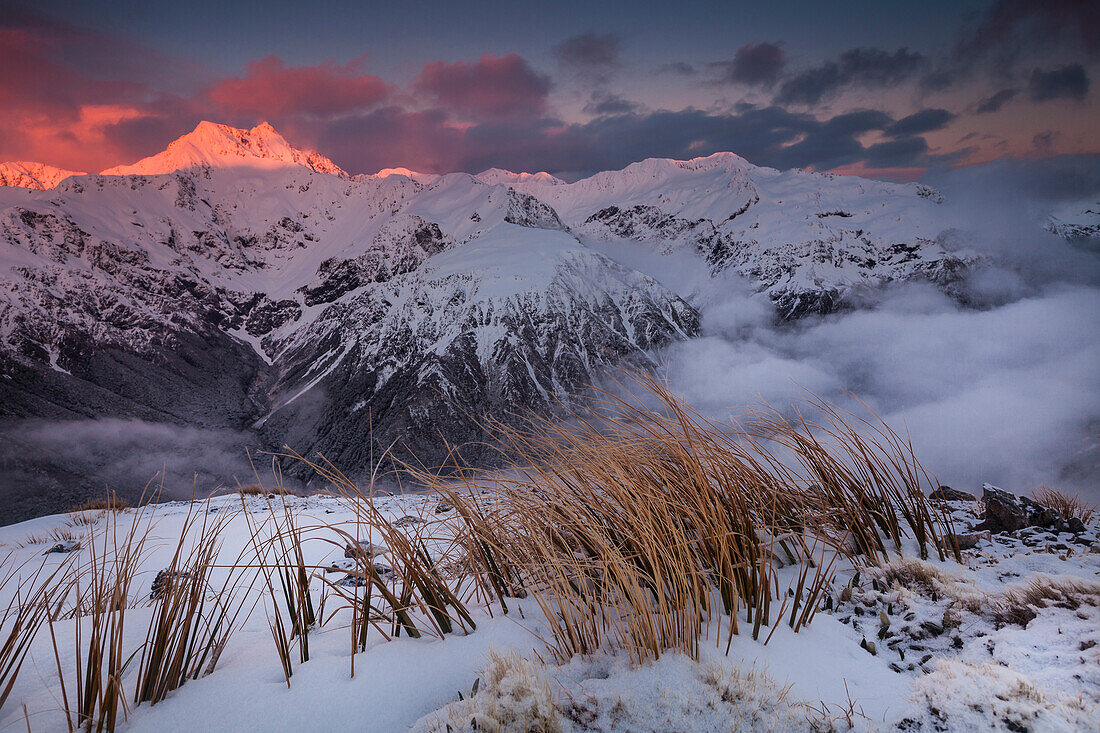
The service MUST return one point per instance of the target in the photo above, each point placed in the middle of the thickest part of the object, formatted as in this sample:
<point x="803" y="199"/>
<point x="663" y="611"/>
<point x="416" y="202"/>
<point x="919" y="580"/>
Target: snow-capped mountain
<point x="37" y="176"/>
<point x="423" y="178"/>
<point x="806" y="239"/>
<point x="1080" y="220"/>
<point x="499" y="175"/>
<point x="220" y="146"/>
<point x="234" y="281"/>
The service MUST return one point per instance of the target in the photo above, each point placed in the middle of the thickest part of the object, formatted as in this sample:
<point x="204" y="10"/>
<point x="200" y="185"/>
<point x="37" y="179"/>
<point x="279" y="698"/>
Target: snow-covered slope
<point x="37" y="176"/>
<point x="807" y="239"/>
<point x="221" y="146"/>
<point x="1080" y="220"/>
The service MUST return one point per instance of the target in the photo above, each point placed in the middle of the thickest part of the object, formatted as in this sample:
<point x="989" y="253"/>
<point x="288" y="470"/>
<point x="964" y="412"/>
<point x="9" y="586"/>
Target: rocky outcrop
<point x="946" y="493"/>
<point x="1005" y="512"/>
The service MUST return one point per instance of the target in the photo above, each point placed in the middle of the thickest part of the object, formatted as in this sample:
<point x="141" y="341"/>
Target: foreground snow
<point x="949" y="665"/>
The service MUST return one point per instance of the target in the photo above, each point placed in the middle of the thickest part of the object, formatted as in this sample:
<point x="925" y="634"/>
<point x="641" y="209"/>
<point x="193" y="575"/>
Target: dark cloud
<point x="590" y="55"/>
<point x="37" y="78"/>
<point x="390" y="137"/>
<point x="1044" y="141"/>
<point x="865" y="67"/>
<point x="1064" y="82"/>
<point x="271" y="89"/>
<point x="921" y="122"/>
<point x="753" y="64"/>
<point x="1012" y="26"/>
<point x="770" y="136"/>
<point x="898" y="153"/>
<point x="994" y="102"/>
<point x="601" y="103"/>
<point x="492" y="86"/>
<point x="681" y="68"/>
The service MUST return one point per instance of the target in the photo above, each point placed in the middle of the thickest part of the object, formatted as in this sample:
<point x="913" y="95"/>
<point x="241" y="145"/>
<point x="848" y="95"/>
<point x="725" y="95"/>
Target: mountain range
<point x="236" y="282"/>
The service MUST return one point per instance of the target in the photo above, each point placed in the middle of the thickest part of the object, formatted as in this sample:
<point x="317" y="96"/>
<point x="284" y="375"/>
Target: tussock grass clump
<point x="636" y="527"/>
<point x="98" y="594"/>
<point x="1068" y="507"/>
<point x="192" y="620"/>
<point x="417" y="588"/>
<point x="924" y="578"/>
<point x="32" y="539"/>
<point x="1018" y="604"/>
<point x="28" y="610"/>
<point x="513" y="694"/>
<point x="110" y="503"/>
<point x="259" y="490"/>
<point x="962" y="696"/>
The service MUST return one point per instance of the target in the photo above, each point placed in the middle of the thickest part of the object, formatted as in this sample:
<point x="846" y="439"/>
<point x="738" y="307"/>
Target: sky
<point x="876" y="88"/>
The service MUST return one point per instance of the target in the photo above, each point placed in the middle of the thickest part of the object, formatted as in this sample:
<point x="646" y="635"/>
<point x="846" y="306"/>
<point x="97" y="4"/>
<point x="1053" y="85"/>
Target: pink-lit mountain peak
<point x="221" y="146"/>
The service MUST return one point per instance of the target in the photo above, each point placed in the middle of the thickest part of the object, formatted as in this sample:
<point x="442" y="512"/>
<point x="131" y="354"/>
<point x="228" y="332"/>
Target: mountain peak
<point x="214" y="145"/>
<point x="421" y="178"/>
<point x="27" y="174"/>
<point x="499" y="175"/>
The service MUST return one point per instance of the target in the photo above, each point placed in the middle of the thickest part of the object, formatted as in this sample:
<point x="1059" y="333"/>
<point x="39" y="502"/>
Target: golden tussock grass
<point x="637" y="526"/>
<point x="1020" y="604"/>
<point x="258" y="489"/>
<point x="634" y="523"/>
<point x="33" y="595"/>
<point x="193" y="619"/>
<point x="111" y="502"/>
<point x="1068" y="507"/>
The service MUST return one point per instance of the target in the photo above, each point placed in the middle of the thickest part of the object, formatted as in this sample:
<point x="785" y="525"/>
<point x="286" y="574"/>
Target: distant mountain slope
<point x="498" y="175"/>
<point x="37" y="176"/>
<point x="312" y="309"/>
<point x="807" y="239"/>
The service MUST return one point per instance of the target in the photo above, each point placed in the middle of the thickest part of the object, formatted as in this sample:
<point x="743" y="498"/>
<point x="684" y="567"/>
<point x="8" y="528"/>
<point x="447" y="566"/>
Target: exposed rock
<point x="164" y="580"/>
<point x="64" y="546"/>
<point x="1005" y="512"/>
<point x="364" y="550"/>
<point x="946" y="493"/>
<point x="965" y="541"/>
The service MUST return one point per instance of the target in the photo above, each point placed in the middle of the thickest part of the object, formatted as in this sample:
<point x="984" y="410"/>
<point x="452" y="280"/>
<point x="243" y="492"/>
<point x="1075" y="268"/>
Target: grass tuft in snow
<point x="1068" y="507"/>
<point x="640" y="528"/>
<point x="960" y="696"/>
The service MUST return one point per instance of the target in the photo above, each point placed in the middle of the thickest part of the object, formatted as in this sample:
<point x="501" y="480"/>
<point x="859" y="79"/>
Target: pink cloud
<point x="270" y="88"/>
<point x="491" y="87"/>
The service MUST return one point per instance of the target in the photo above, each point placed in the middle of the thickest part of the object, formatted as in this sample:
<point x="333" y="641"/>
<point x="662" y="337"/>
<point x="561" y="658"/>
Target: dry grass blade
<point x="192" y="620"/>
<point x="98" y="595"/>
<point x="639" y="525"/>
<point x="28" y="610"/>
<point x="1068" y="507"/>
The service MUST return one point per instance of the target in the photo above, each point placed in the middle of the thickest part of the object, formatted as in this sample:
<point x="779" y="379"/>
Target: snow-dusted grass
<point x="988" y="696"/>
<point x="637" y="571"/>
<point x="639" y="529"/>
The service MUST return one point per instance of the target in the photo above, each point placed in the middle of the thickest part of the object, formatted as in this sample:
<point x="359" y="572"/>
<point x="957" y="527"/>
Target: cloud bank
<point x="1005" y="390"/>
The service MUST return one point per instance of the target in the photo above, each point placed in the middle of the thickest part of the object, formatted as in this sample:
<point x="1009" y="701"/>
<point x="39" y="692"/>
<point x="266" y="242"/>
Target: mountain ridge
<point x="291" y="305"/>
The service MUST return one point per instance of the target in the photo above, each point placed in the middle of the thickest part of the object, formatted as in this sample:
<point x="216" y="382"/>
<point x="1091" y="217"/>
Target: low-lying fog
<point x="1005" y="390"/>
